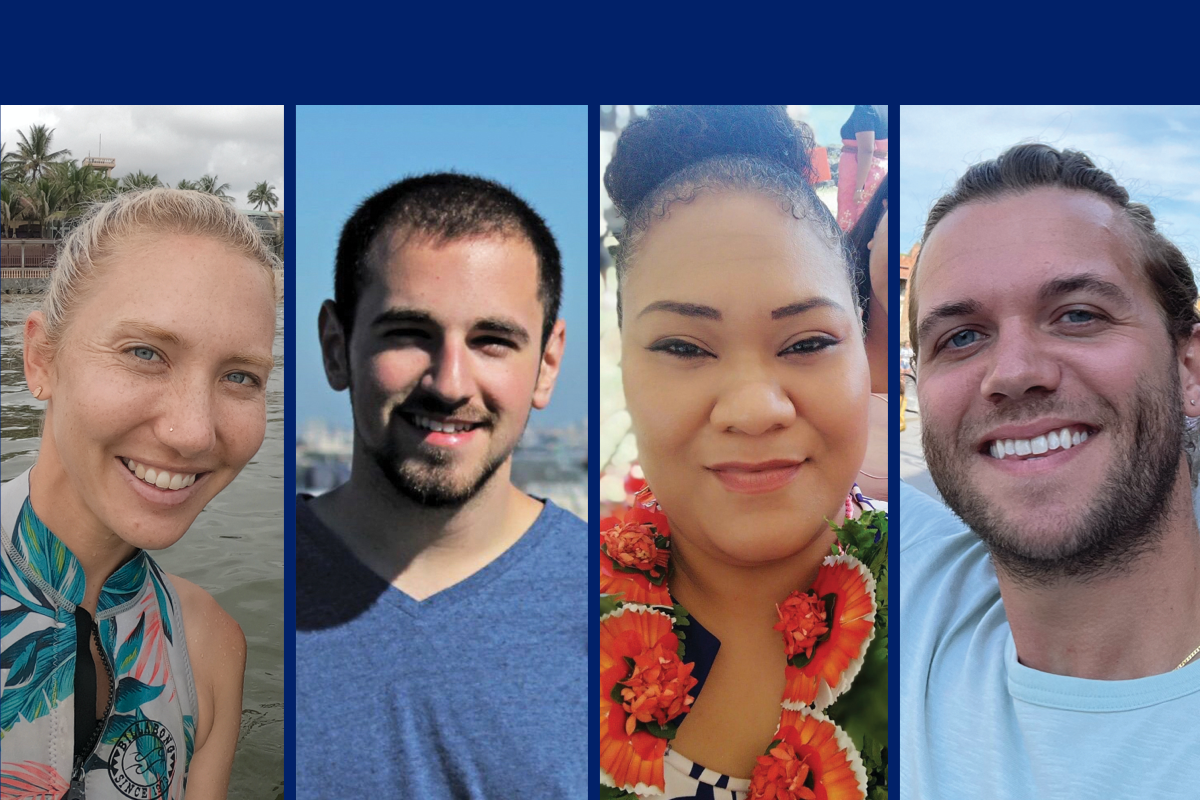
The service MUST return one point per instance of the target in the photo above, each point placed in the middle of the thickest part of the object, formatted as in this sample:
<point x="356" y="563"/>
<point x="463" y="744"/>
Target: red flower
<point x="818" y="676"/>
<point x="634" y="555"/>
<point x="802" y="621"/>
<point x="632" y="758"/>
<point x="658" y="687"/>
<point x="782" y="775"/>
<point x="811" y="758"/>
<point x="632" y="546"/>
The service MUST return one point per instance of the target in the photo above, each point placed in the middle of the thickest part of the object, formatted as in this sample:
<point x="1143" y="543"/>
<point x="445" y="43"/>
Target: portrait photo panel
<point x="143" y="420"/>
<point x="443" y="387"/>
<point x="745" y="376"/>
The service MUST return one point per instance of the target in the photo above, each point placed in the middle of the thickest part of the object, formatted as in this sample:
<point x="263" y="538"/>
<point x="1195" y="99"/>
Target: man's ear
<point x="551" y="362"/>
<point x="1189" y="372"/>
<point x="334" y="347"/>
<point x="39" y="374"/>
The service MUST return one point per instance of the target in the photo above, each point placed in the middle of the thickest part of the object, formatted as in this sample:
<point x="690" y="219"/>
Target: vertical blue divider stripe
<point x="594" y="444"/>
<point x="894" y="577"/>
<point x="289" y="456"/>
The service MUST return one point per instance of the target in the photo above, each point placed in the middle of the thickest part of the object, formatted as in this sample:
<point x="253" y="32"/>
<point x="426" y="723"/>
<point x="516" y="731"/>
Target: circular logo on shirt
<point x="143" y="761"/>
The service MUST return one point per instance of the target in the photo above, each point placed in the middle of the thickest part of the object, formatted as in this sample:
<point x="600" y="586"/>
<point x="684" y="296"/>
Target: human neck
<point x="735" y="602"/>
<point x="878" y="355"/>
<point x="99" y="551"/>
<point x="418" y="549"/>
<point x="1131" y="623"/>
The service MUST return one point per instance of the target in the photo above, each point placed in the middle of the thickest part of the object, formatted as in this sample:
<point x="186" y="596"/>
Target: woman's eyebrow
<point x="685" y="309"/>
<point x="803" y="306"/>
<point x="152" y="331"/>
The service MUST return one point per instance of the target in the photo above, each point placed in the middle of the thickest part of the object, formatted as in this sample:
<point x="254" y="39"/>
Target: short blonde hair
<point x="108" y="225"/>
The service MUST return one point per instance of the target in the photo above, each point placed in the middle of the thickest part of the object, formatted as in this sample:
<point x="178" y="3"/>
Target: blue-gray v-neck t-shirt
<point x="479" y="691"/>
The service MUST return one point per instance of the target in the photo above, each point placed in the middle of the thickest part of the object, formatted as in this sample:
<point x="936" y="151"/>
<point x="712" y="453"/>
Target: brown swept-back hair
<point x="1026" y="167"/>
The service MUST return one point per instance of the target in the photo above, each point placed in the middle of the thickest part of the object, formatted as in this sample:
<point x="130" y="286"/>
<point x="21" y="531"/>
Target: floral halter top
<point x="144" y="744"/>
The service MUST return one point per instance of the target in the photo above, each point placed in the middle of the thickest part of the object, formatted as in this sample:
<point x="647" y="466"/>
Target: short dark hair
<point x="857" y="240"/>
<point x="1026" y="167"/>
<point x="445" y="206"/>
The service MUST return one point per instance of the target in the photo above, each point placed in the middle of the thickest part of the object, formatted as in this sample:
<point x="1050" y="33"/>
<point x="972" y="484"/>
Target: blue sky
<point x="344" y="154"/>
<point x="1154" y="152"/>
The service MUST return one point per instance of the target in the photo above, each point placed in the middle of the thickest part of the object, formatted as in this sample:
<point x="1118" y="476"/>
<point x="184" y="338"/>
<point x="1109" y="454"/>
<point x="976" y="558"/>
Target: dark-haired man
<point x="442" y="643"/>
<point x="1048" y="645"/>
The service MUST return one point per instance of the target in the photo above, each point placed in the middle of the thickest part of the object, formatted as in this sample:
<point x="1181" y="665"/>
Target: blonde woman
<point x="151" y="352"/>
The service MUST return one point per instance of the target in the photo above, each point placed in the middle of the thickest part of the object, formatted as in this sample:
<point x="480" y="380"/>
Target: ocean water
<point x="234" y="549"/>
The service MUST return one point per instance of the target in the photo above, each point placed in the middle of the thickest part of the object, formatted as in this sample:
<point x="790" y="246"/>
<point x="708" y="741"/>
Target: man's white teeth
<point x="160" y="478"/>
<point x="442" y="427"/>
<point x="1054" y="440"/>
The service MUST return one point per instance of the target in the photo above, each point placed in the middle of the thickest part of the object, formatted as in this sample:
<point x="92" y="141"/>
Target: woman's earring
<point x="37" y="394"/>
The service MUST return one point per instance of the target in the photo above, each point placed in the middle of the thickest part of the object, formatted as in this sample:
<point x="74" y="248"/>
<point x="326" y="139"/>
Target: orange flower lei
<point x="645" y="683"/>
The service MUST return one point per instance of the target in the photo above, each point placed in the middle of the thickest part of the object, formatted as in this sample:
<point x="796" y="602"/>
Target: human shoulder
<point x="922" y="518"/>
<point x="217" y="652"/>
<point x="209" y="627"/>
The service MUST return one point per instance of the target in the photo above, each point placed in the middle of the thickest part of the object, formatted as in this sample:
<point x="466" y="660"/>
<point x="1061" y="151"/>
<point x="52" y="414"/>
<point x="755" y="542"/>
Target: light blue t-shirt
<point x="975" y="723"/>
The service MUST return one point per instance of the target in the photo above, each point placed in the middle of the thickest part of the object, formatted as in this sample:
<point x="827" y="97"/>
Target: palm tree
<point x="10" y="208"/>
<point x="263" y="195"/>
<point x="208" y="184"/>
<point x="186" y="184"/>
<point x="139" y="180"/>
<point x="44" y="202"/>
<point x="33" y="154"/>
<point x="81" y="185"/>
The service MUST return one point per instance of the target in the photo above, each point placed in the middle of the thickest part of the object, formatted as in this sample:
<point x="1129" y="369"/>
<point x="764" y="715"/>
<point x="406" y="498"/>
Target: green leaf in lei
<point x="610" y="603"/>
<point x="609" y="793"/>
<point x="862" y="711"/>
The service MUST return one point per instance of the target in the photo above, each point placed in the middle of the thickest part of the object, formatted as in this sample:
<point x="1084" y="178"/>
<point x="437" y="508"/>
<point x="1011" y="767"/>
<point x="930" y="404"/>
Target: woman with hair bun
<point x="151" y="351"/>
<point x="738" y="593"/>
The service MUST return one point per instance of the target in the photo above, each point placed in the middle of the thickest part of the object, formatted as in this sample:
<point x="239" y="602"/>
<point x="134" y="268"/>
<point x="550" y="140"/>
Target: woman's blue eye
<point x="963" y="339"/>
<point x="144" y="353"/>
<point x="813" y="344"/>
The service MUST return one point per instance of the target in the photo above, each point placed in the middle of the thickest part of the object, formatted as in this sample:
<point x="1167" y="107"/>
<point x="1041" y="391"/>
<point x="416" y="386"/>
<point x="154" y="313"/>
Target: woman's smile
<point x="756" y="478"/>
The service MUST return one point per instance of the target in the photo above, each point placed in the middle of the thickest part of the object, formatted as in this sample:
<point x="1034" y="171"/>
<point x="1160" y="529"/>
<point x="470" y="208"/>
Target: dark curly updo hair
<point x="676" y="152"/>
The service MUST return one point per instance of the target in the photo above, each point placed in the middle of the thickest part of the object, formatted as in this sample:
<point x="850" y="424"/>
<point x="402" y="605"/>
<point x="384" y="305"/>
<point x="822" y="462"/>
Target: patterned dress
<point x="145" y="745"/>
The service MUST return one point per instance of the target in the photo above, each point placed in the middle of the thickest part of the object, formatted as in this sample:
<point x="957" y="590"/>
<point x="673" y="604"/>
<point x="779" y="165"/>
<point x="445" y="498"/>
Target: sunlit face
<point x="1035" y="321"/>
<point x="879" y="262"/>
<point x="745" y="375"/>
<point x="446" y="361"/>
<point x="163" y="368"/>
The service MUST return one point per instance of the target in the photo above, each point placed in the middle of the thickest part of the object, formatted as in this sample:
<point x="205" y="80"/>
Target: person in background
<point x="868" y="246"/>
<point x="864" y="161"/>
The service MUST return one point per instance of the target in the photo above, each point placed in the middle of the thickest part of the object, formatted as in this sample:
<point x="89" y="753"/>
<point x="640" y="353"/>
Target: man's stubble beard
<point x="428" y="483"/>
<point x="1122" y="521"/>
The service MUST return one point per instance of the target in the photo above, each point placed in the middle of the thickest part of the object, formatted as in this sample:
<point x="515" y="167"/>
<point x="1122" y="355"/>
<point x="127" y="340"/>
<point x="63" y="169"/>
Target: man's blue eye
<point x="239" y="377"/>
<point x="963" y="339"/>
<point x="1079" y="316"/>
<point x="144" y="353"/>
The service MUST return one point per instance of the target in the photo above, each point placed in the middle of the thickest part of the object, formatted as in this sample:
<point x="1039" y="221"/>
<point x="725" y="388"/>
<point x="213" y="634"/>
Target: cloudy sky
<point x="241" y="145"/>
<point x="1154" y="151"/>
